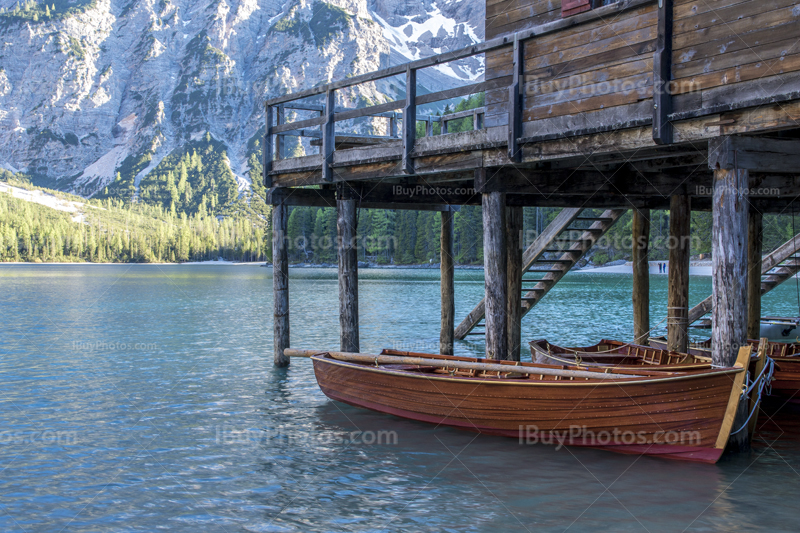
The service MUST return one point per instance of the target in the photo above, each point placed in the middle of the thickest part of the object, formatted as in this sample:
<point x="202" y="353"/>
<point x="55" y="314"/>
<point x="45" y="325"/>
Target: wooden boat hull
<point x="786" y="379"/>
<point x="679" y="416"/>
<point x="619" y="355"/>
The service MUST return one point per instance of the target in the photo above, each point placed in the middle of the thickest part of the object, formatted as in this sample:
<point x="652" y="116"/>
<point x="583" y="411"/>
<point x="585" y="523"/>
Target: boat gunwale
<point x="324" y="358"/>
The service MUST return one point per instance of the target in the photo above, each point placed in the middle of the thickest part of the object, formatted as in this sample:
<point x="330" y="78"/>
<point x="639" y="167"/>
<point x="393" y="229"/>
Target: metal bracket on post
<point x="515" y="103"/>
<point x="267" y="149"/>
<point x="662" y="75"/>
<point x="328" y="136"/>
<point x="280" y="141"/>
<point x="409" y="120"/>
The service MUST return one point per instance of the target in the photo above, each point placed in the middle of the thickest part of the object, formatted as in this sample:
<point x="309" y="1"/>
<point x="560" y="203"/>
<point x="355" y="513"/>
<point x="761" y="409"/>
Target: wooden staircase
<point x="554" y="252"/>
<point x="776" y="268"/>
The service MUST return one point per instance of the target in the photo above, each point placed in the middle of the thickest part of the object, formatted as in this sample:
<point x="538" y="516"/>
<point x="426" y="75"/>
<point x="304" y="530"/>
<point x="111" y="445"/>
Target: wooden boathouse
<point x="589" y="104"/>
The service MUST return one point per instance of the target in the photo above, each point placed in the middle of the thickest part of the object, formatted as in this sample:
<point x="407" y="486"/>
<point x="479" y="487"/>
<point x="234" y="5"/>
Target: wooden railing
<point x="329" y="115"/>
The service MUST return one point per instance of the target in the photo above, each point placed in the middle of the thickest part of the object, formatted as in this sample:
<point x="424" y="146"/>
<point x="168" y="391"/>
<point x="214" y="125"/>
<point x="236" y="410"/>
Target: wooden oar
<point x="467" y="365"/>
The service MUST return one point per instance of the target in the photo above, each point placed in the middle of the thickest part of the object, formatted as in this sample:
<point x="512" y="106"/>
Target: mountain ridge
<point x="93" y="91"/>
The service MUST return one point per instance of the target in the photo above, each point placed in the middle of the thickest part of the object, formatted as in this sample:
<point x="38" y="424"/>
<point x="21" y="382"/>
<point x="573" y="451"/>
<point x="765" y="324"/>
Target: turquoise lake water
<point x="143" y="398"/>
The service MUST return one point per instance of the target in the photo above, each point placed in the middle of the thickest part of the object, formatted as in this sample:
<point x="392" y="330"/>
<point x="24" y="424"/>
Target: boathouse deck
<point x="639" y="104"/>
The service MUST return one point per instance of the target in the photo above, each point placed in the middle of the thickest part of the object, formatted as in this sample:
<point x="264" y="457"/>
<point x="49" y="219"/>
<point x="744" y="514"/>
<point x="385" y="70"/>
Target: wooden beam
<point x="754" y="250"/>
<point x="729" y="278"/>
<point x="328" y="137"/>
<point x="267" y="150"/>
<point x="514" y="268"/>
<point x="679" y="250"/>
<point x="754" y="153"/>
<point x="729" y="258"/>
<point x="446" y="337"/>
<point x="377" y="197"/>
<point x="280" y="284"/>
<point x="409" y="120"/>
<point x="346" y="228"/>
<point x="662" y="74"/>
<point x="641" y="275"/>
<point x="495" y="273"/>
<point x="515" y="101"/>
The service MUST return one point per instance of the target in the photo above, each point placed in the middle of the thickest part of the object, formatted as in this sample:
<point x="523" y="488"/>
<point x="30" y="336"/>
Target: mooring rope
<point x="763" y="380"/>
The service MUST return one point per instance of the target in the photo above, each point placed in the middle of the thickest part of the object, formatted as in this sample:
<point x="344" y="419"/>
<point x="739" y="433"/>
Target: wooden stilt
<point x="348" y="274"/>
<point x="447" y="285"/>
<point x="754" y="247"/>
<point x="679" y="250"/>
<point x="729" y="278"/>
<point x="495" y="272"/>
<point x="280" y="284"/>
<point x="514" y="291"/>
<point x="641" y="275"/>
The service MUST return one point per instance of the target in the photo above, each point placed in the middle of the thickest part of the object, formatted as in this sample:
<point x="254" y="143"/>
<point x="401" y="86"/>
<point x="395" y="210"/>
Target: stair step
<point x="564" y="251"/>
<point x="570" y="261"/>
<point x="593" y="230"/>
<point x="604" y="219"/>
<point x="476" y="333"/>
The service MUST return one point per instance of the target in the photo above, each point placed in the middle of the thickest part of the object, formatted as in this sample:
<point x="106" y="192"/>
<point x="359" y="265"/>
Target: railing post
<point x="328" y="136"/>
<point x="267" y="149"/>
<point x="515" y="102"/>
<point x="393" y="125"/>
<point x="429" y="127"/>
<point x="662" y="74"/>
<point x="476" y="120"/>
<point x="444" y="125"/>
<point x="281" y="140"/>
<point x="409" y="120"/>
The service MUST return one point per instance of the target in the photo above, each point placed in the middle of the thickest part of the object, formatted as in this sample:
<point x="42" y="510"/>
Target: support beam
<point x="446" y="335"/>
<point x="679" y="250"/>
<point x="662" y="74"/>
<point x="514" y="268"/>
<point x="328" y="137"/>
<point x="267" y="150"/>
<point x="641" y="275"/>
<point x="346" y="222"/>
<point x="515" y="101"/>
<point x="729" y="278"/>
<point x="495" y="273"/>
<point x="409" y="120"/>
<point x="754" y="153"/>
<point x="280" y="284"/>
<point x="754" y="250"/>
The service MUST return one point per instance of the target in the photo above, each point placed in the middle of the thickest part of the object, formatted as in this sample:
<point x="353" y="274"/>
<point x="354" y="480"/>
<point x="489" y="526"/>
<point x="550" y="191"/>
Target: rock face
<point x="91" y="88"/>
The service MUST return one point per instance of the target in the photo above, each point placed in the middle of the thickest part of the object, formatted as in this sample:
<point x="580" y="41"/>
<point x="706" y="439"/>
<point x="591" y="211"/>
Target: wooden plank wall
<point x="600" y="73"/>
<point x="595" y="73"/>
<point x="503" y="17"/>
<point x="721" y="45"/>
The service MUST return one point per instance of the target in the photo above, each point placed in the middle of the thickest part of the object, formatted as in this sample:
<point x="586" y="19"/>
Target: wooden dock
<point x="635" y="105"/>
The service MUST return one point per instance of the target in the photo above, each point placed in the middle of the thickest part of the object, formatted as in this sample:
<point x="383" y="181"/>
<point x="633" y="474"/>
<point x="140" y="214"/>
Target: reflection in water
<point x="139" y="397"/>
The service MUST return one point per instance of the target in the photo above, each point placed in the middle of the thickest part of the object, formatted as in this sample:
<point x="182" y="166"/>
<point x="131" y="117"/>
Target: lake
<point x="143" y="397"/>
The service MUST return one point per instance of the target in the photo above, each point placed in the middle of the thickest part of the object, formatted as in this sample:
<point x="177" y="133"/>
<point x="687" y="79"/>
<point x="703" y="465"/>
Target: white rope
<point x="762" y="380"/>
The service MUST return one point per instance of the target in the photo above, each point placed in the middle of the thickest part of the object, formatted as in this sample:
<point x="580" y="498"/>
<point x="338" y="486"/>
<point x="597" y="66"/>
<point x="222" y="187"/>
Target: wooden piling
<point x="446" y="335"/>
<point x="729" y="278"/>
<point x="280" y="284"/>
<point x="495" y="273"/>
<point x="679" y="250"/>
<point x="641" y="275"/>
<point x="754" y="247"/>
<point x="346" y="223"/>
<point x="514" y="292"/>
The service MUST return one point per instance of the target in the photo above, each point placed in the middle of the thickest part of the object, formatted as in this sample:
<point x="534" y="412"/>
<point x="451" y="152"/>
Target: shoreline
<point x="697" y="268"/>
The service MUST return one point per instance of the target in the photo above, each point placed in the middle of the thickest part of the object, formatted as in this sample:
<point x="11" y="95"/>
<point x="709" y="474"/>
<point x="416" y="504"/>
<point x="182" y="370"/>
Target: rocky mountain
<point x="95" y="93"/>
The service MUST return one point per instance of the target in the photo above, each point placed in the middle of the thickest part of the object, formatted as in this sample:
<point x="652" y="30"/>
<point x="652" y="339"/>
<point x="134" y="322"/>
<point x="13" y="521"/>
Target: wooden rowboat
<point x="679" y="415"/>
<point x="786" y="377"/>
<point x="617" y="354"/>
